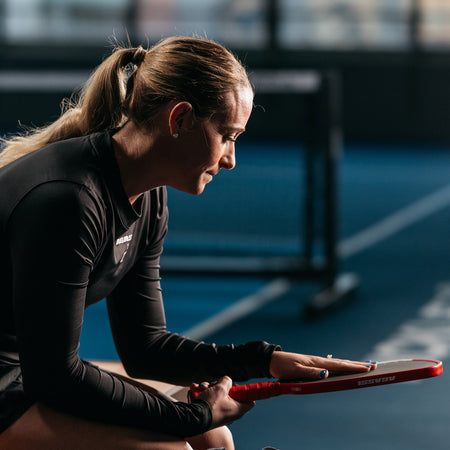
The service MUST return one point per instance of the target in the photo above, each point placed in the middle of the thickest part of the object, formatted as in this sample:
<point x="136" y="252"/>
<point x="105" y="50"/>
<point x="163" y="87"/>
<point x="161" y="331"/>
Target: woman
<point x="83" y="214"/>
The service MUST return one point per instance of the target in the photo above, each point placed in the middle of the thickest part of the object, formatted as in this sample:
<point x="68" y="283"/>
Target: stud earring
<point x="175" y="135"/>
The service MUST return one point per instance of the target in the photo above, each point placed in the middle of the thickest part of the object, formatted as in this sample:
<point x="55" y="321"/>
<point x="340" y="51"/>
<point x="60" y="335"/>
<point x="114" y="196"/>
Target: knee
<point x="161" y="445"/>
<point x="226" y="437"/>
<point x="216" y="438"/>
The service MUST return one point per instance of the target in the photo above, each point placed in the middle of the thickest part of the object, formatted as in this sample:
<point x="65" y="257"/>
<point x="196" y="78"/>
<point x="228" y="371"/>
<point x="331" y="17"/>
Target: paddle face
<point x="387" y="372"/>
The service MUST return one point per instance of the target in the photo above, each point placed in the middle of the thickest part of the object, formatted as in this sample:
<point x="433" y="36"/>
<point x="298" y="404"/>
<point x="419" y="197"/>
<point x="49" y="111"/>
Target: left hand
<point x="284" y="365"/>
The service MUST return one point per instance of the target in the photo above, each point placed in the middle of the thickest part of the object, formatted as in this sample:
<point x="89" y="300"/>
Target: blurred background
<point x="341" y="187"/>
<point x="390" y="70"/>
<point x="390" y="52"/>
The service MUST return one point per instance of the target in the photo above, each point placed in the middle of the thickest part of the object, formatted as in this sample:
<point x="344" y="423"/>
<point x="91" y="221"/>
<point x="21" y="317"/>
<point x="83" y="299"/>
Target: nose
<point x="228" y="160"/>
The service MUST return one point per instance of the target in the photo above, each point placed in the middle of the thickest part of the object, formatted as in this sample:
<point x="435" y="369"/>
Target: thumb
<point x="225" y="383"/>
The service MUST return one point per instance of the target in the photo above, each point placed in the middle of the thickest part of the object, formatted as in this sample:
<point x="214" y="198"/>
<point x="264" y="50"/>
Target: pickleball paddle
<point x="386" y="372"/>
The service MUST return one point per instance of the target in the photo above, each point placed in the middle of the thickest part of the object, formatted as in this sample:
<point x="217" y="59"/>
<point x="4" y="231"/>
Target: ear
<point x="180" y="115"/>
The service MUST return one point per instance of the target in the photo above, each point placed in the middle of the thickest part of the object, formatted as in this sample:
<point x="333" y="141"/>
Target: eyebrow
<point x="235" y="129"/>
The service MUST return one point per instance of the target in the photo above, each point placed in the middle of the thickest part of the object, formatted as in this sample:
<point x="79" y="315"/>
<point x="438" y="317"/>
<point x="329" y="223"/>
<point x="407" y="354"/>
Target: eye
<point x="230" y="134"/>
<point x="229" y="138"/>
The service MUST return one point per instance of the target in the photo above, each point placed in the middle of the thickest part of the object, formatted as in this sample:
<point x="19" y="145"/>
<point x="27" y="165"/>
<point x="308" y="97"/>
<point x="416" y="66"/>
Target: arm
<point x="52" y="234"/>
<point x="148" y="350"/>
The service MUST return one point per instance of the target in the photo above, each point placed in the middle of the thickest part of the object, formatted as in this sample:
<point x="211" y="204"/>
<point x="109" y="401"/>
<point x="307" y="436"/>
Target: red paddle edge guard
<point x="268" y="389"/>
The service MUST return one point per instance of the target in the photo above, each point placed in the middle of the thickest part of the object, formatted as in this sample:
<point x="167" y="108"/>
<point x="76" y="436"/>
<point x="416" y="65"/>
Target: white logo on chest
<point x="124" y="239"/>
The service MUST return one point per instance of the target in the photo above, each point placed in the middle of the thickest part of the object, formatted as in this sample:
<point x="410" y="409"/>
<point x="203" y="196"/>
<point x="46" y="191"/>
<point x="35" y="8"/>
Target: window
<point x="241" y="24"/>
<point x="236" y="23"/>
<point x="434" y="27"/>
<point x="63" y="21"/>
<point x="344" y="24"/>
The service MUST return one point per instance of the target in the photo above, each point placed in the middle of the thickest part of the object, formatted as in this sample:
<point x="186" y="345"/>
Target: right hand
<point x="224" y="409"/>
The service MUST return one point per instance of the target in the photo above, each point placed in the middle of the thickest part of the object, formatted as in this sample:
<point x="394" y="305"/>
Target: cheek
<point x="209" y="155"/>
<point x="205" y="148"/>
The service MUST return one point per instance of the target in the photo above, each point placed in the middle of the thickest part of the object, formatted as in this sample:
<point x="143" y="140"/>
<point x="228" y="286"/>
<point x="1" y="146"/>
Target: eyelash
<point x="230" y="138"/>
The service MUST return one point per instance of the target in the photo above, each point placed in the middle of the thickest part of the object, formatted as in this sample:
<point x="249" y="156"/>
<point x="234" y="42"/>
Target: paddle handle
<point x="249" y="392"/>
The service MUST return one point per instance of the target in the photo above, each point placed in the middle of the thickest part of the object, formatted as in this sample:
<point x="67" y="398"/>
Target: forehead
<point x="238" y="107"/>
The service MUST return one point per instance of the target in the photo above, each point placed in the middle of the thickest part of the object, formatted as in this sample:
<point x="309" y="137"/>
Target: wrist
<point x="271" y="370"/>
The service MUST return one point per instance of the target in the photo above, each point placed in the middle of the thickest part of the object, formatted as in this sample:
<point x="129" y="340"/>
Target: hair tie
<point x="138" y="56"/>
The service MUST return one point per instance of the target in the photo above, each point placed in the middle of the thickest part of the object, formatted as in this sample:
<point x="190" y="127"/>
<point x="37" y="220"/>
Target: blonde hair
<point x="134" y="84"/>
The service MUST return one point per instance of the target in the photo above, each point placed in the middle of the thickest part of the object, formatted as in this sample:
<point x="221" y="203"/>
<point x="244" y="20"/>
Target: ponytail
<point x="100" y="106"/>
<point x="102" y="100"/>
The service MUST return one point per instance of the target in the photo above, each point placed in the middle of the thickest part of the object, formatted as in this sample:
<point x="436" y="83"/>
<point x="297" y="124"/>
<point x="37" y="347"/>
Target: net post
<point x="337" y="287"/>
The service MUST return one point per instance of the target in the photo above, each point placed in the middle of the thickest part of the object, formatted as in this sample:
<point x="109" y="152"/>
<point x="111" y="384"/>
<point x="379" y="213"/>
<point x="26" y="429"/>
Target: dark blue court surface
<point x="395" y="217"/>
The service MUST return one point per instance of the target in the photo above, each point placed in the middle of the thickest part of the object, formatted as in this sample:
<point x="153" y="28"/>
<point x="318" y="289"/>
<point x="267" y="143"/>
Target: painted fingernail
<point x="323" y="373"/>
<point x="204" y="384"/>
<point x="371" y="362"/>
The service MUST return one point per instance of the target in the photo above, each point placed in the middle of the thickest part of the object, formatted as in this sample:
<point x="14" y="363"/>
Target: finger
<point x="355" y="362"/>
<point x="306" y="372"/>
<point x="224" y="383"/>
<point x="348" y="361"/>
<point x="196" y="388"/>
<point x="190" y="396"/>
<point x="315" y="373"/>
<point x="220" y="387"/>
<point x="344" y="365"/>
<point x="200" y="387"/>
<point x="329" y="369"/>
<point x="320" y="368"/>
<point x="337" y="364"/>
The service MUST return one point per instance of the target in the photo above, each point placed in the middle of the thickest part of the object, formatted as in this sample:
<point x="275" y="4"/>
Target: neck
<point x="139" y="159"/>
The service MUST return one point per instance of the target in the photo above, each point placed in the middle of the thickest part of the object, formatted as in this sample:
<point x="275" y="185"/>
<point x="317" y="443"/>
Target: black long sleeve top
<point x="70" y="238"/>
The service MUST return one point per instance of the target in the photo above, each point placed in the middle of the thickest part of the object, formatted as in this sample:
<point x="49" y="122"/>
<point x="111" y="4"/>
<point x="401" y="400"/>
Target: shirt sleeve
<point x="149" y="351"/>
<point x="54" y="234"/>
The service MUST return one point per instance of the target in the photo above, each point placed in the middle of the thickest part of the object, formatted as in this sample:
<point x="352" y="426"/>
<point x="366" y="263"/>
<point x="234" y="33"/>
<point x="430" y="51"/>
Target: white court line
<point x="395" y="222"/>
<point x="241" y="308"/>
<point x="348" y="247"/>
<point x="424" y="336"/>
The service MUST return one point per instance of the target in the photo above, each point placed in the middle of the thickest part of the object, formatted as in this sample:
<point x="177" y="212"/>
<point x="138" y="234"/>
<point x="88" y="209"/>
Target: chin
<point x="198" y="191"/>
<point x="194" y="190"/>
<point x="199" y="187"/>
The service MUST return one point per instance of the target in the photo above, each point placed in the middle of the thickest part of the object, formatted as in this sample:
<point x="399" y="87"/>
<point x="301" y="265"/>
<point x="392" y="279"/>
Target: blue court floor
<point x="394" y="226"/>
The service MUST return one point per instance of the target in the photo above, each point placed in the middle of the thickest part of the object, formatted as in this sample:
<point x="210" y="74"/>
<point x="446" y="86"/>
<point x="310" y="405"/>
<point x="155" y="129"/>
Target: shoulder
<point x="59" y="201"/>
<point x="59" y="218"/>
<point x="65" y="173"/>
